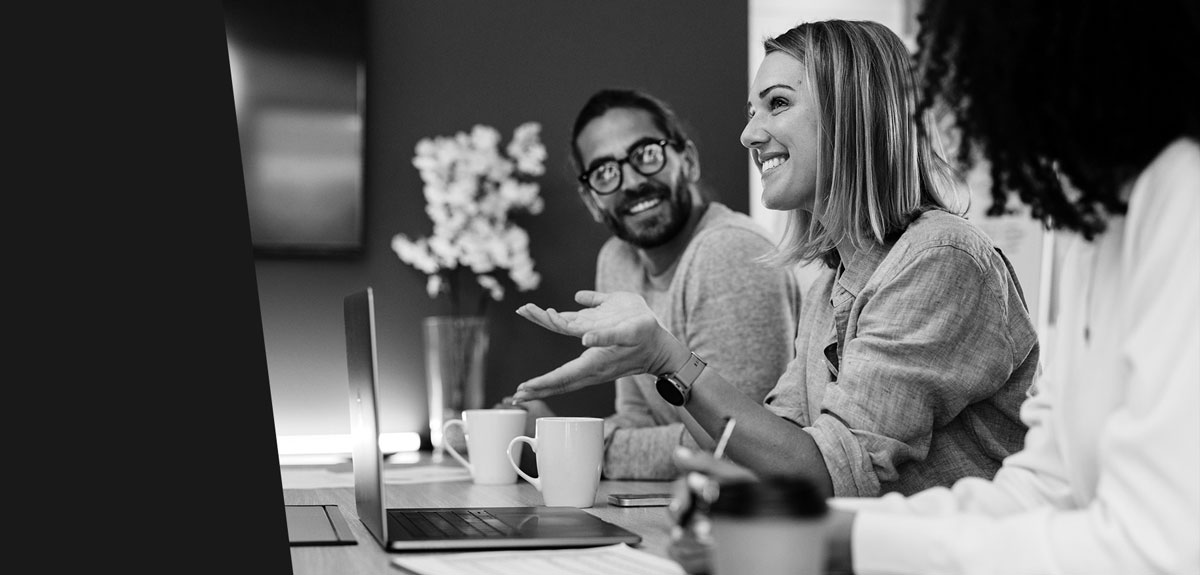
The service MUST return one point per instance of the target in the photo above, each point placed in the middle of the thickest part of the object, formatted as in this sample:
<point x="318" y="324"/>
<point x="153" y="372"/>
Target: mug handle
<point x="533" y="445"/>
<point x="450" y="448"/>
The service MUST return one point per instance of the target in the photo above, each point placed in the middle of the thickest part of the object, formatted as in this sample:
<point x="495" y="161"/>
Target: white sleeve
<point x="1145" y="515"/>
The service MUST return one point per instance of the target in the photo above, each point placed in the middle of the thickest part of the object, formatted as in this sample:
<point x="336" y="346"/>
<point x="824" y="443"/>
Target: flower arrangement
<point x="471" y="188"/>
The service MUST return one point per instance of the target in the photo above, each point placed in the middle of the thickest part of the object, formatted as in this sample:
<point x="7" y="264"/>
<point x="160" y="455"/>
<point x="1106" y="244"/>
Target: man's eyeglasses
<point x="647" y="158"/>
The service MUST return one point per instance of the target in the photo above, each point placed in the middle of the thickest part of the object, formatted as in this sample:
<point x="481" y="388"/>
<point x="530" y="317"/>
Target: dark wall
<point x="436" y="68"/>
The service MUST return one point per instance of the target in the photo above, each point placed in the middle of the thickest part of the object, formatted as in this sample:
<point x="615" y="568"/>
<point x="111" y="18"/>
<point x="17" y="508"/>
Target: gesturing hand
<point x="622" y="335"/>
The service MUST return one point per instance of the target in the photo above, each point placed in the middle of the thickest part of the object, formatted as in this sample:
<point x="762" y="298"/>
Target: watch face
<point x="667" y="389"/>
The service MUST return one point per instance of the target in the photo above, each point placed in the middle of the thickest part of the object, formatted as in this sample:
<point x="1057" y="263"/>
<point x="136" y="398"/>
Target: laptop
<point x="446" y="528"/>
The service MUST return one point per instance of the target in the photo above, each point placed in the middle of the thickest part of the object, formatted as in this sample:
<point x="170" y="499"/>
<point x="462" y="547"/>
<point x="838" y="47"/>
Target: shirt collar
<point x="855" y="273"/>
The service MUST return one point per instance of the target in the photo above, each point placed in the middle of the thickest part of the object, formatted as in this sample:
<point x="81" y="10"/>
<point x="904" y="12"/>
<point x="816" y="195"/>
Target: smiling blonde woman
<point x="914" y="348"/>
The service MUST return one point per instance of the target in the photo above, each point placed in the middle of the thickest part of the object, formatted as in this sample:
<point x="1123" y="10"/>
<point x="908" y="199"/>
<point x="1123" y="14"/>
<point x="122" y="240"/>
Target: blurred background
<point x="332" y="98"/>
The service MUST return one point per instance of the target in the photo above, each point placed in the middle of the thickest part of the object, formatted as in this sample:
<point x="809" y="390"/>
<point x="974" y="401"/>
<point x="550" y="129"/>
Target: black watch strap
<point x="676" y="387"/>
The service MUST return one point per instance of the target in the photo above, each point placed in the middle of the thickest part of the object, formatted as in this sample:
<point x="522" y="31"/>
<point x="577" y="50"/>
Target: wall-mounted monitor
<point x="298" y="80"/>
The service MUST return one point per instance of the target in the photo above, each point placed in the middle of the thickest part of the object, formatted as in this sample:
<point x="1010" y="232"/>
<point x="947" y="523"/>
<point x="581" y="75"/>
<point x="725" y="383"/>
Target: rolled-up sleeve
<point x="926" y="343"/>
<point x="637" y="446"/>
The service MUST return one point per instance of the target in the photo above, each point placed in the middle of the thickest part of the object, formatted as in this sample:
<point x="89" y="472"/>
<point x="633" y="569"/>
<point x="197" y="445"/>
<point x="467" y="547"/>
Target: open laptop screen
<point x="428" y="529"/>
<point x="364" y="415"/>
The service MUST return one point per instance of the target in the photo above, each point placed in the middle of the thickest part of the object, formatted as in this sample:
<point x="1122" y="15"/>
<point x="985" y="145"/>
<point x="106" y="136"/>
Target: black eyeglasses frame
<point x="586" y="177"/>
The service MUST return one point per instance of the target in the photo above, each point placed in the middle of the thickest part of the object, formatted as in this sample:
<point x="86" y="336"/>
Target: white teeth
<point x="643" y="206"/>
<point x="773" y="163"/>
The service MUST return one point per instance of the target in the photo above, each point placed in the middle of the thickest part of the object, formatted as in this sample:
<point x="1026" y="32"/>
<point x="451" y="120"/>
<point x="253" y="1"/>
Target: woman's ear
<point x="691" y="162"/>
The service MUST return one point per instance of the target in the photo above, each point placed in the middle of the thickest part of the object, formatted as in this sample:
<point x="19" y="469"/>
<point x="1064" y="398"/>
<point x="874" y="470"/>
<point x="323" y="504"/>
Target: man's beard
<point x="660" y="229"/>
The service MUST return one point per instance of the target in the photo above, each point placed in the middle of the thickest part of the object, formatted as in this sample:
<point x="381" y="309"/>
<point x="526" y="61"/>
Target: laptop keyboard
<point x="446" y="524"/>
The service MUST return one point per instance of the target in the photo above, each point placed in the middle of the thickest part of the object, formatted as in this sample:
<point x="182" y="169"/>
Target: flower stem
<point x="483" y="301"/>
<point x="455" y="290"/>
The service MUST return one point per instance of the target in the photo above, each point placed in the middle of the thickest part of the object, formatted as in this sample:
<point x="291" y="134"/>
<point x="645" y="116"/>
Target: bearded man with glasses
<point x="694" y="261"/>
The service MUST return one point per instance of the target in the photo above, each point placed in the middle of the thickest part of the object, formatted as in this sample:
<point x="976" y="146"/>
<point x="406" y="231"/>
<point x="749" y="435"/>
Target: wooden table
<point x="367" y="557"/>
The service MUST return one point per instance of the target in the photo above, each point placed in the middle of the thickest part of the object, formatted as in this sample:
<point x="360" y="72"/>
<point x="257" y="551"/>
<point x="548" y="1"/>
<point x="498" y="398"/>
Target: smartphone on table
<point x="639" y="499"/>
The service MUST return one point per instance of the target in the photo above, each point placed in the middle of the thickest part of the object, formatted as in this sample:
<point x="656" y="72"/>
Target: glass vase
<point x="455" y="354"/>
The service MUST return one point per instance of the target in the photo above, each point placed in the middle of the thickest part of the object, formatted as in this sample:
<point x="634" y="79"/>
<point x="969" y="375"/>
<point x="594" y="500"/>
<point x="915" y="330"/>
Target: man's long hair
<point x="1066" y="100"/>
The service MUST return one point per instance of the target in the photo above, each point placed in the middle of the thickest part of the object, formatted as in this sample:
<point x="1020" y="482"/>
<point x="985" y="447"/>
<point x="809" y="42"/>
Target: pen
<point x="700" y="486"/>
<point x="724" y="440"/>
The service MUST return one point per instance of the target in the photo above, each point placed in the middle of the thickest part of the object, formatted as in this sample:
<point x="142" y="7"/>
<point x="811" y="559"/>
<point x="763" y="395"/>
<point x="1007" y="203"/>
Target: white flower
<point x="484" y="137"/>
<point x="434" y="285"/>
<point x="494" y="288"/>
<point x="445" y="250"/>
<point x="471" y="188"/>
<point x="527" y="149"/>
<point x="415" y="254"/>
<point x="523" y="275"/>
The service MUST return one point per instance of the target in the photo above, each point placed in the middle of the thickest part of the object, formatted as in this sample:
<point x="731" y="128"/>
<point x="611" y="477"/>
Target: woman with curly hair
<point x="1088" y="113"/>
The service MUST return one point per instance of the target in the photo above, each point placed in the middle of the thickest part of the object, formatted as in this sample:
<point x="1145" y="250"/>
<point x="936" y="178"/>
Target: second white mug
<point x="488" y="432"/>
<point x="569" y="455"/>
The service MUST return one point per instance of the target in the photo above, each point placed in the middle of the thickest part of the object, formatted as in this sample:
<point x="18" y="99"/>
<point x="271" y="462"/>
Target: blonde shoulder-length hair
<point x="878" y="170"/>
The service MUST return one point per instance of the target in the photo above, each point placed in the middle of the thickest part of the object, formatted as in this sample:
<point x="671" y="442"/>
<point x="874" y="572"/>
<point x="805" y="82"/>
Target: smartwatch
<point x="676" y="387"/>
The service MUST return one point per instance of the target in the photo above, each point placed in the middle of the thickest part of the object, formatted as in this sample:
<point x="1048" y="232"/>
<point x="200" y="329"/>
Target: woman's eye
<point x="777" y="103"/>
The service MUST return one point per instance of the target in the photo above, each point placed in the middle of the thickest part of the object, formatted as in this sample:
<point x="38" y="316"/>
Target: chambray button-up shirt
<point x="912" y="361"/>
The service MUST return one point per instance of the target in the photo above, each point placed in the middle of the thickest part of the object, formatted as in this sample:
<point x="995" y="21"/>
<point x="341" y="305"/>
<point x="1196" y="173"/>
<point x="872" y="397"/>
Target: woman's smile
<point x="772" y="163"/>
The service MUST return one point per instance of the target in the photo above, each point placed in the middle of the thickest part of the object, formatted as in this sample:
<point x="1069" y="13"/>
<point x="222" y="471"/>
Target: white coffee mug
<point x="569" y="454"/>
<point x="488" y="433"/>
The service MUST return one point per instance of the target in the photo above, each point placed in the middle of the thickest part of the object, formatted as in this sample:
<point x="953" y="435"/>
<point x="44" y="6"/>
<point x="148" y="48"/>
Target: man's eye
<point x="605" y="171"/>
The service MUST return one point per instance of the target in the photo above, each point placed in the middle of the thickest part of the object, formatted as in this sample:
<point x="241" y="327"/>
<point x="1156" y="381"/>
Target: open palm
<point x="622" y="335"/>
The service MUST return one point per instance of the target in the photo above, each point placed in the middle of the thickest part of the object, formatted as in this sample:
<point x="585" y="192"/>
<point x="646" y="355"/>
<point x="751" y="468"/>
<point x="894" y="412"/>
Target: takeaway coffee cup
<point x="774" y="526"/>
<point x="488" y="433"/>
<point x="569" y="454"/>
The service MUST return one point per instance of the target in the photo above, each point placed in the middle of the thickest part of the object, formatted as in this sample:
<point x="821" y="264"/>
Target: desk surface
<point x="423" y="482"/>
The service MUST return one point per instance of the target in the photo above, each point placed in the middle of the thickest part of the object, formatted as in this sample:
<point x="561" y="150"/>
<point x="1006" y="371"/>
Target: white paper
<point x="619" y="559"/>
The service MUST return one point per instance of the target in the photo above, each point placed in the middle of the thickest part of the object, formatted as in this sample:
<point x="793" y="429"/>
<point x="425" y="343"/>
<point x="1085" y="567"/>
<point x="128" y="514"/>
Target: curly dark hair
<point x="1051" y="90"/>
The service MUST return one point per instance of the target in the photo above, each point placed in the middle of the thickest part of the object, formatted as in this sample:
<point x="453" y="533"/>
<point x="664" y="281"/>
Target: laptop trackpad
<point x="317" y="525"/>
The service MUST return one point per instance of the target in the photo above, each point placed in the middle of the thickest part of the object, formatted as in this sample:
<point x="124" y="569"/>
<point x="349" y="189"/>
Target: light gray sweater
<point x="738" y="315"/>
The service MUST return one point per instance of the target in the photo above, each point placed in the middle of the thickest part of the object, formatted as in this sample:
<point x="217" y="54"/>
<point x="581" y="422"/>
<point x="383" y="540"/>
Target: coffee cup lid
<point x="771" y="497"/>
